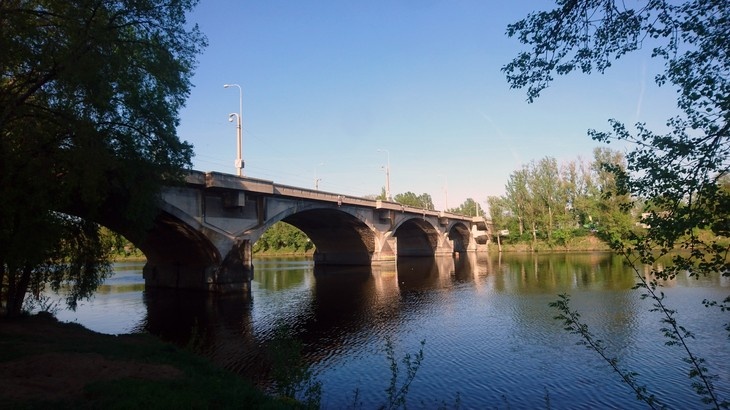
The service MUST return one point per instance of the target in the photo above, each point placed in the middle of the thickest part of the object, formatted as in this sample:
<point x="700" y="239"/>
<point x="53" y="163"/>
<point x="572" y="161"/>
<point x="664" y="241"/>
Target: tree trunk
<point x="534" y="236"/>
<point x="2" y="280"/>
<point x="550" y="223"/>
<point x="17" y="287"/>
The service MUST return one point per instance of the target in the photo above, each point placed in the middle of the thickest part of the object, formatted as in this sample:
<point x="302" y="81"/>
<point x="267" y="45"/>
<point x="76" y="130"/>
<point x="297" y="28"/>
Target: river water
<point x="490" y="337"/>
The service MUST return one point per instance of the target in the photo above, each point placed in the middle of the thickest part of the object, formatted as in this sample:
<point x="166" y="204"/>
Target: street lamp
<point x="239" y="128"/>
<point x="387" y="175"/>
<point x="316" y="180"/>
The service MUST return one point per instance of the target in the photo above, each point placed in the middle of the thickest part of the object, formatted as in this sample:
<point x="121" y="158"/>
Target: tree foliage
<point x="422" y="201"/>
<point x="282" y="237"/>
<point x="89" y="97"/>
<point x="468" y="208"/>
<point x="677" y="175"/>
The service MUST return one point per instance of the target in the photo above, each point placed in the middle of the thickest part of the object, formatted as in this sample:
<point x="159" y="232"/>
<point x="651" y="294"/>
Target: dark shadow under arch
<point x="416" y="237"/>
<point x="459" y="234"/>
<point x="340" y="238"/>
<point x="172" y="241"/>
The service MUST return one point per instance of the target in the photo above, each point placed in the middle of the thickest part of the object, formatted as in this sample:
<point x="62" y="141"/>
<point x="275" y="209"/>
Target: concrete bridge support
<point x="188" y="256"/>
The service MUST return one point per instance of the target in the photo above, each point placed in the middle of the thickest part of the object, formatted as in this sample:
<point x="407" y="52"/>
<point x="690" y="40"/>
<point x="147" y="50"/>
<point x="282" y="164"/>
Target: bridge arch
<point x="182" y="253"/>
<point x="416" y="237"/>
<point x="460" y="236"/>
<point x="340" y="237"/>
<point x="175" y="241"/>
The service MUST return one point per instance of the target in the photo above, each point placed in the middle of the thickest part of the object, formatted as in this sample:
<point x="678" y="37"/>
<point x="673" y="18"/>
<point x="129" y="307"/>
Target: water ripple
<point x="490" y="337"/>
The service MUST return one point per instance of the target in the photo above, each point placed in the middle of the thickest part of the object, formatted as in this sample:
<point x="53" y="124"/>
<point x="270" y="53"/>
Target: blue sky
<point x="326" y="84"/>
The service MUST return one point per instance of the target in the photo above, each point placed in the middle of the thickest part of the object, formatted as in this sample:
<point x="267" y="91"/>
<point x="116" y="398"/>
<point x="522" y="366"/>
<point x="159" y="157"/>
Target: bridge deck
<point x="233" y="182"/>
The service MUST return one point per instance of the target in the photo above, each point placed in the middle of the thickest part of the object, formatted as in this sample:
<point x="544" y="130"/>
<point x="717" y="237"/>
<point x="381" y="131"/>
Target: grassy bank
<point x="579" y="244"/>
<point x="283" y="252"/>
<point x="48" y="364"/>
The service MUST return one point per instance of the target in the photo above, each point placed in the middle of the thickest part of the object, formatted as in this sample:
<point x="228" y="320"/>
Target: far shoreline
<point x="589" y="244"/>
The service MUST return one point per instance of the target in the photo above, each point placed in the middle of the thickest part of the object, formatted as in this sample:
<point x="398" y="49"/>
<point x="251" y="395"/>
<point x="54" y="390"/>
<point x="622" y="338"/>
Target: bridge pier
<point x="387" y="246"/>
<point x="179" y="265"/>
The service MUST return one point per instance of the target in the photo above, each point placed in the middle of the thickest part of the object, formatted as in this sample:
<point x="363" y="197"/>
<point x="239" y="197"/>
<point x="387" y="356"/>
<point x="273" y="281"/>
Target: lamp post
<point x="239" y="128"/>
<point x="387" y="175"/>
<point x="316" y="180"/>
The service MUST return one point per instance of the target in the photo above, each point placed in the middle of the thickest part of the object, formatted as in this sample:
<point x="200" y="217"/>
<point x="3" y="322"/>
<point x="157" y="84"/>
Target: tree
<point x="677" y="172"/>
<point x="469" y="208"/>
<point x="382" y="196"/>
<point x="422" y="201"/>
<point x="556" y="203"/>
<point x="611" y="203"/>
<point x="518" y="198"/>
<point x="89" y="97"/>
<point x="534" y="195"/>
<point x="500" y="215"/>
<point x="544" y="183"/>
<point x="499" y="212"/>
<point x="577" y="185"/>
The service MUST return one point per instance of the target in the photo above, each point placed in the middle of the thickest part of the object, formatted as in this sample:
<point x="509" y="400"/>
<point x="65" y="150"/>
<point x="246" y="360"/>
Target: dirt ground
<point x="43" y="372"/>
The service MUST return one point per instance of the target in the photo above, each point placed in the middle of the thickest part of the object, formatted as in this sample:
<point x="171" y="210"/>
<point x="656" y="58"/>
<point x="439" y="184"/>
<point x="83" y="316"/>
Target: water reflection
<point x="282" y="273"/>
<point x="486" y="321"/>
<point x="564" y="271"/>
<point x="219" y="327"/>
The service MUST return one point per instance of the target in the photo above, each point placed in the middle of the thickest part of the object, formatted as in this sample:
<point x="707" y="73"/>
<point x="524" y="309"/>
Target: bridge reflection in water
<point x="310" y="300"/>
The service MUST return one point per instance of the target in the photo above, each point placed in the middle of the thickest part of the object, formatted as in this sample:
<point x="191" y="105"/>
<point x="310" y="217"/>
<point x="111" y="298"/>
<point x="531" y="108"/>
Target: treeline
<point x="424" y="201"/>
<point x="469" y="207"/>
<point x="119" y="247"/>
<point x="554" y="203"/>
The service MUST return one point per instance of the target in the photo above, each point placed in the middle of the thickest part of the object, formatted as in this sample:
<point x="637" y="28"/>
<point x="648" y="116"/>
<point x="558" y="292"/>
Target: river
<point x="490" y="337"/>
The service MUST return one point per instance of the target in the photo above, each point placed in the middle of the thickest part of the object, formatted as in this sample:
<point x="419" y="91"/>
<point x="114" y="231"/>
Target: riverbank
<point x="48" y="364"/>
<point x="580" y="244"/>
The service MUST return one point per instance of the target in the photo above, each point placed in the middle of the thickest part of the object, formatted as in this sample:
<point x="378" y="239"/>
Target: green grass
<point x="201" y="386"/>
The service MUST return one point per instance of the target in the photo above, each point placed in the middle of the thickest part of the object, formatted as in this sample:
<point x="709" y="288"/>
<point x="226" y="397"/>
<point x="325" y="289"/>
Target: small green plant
<point x="398" y="391"/>
<point x="196" y="343"/>
<point x="676" y="334"/>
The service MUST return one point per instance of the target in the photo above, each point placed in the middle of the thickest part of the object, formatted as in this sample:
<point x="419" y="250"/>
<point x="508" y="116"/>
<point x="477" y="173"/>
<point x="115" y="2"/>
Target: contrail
<point x="502" y="137"/>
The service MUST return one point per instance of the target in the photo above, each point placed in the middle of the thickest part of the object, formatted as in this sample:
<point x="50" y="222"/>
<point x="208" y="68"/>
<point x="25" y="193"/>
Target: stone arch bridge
<point x="203" y="234"/>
